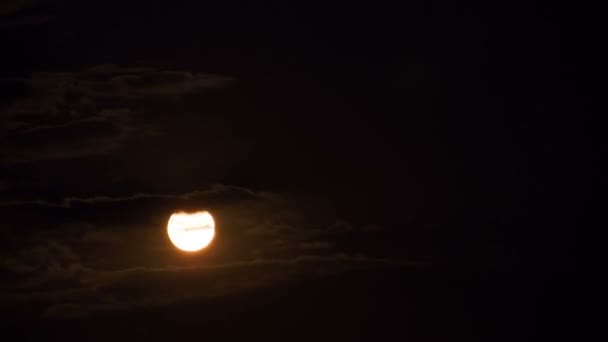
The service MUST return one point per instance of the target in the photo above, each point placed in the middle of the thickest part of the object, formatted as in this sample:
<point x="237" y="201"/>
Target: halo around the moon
<point x="191" y="231"/>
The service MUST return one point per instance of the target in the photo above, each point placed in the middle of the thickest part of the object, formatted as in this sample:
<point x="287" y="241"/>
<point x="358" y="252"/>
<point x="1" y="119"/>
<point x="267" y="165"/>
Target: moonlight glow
<point x="191" y="231"/>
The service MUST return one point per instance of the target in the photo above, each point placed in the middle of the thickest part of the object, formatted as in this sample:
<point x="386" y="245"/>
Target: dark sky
<point x="375" y="171"/>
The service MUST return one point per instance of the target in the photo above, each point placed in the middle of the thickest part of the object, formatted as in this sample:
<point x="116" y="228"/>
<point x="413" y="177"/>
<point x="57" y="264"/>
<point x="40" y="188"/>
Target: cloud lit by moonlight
<point x="191" y="231"/>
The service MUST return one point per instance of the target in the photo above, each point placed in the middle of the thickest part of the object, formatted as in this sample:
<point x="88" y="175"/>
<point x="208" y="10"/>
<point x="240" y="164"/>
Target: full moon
<point x="191" y="232"/>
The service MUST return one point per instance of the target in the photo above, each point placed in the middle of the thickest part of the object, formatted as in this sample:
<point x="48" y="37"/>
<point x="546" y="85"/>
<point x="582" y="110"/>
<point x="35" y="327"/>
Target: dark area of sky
<point x="411" y="171"/>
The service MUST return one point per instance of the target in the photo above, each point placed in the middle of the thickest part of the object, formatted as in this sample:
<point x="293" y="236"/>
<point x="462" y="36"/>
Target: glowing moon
<point x="191" y="232"/>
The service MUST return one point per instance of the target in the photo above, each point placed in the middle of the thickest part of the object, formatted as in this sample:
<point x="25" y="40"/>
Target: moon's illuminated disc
<point x="191" y="231"/>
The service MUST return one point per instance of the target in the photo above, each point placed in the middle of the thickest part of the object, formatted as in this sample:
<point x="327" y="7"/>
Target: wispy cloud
<point x="214" y="190"/>
<point x="52" y="277"/>
<point x="19" y="13"/>
<point x="63" y="115"/>
<point x="141" y="287"/>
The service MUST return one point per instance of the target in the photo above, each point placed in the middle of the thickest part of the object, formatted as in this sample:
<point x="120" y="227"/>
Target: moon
<point x="191" y="232"/>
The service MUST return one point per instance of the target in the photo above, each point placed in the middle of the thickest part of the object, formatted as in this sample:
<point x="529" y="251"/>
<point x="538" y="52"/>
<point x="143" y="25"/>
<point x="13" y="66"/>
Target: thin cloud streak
<point x="69" y="202"/>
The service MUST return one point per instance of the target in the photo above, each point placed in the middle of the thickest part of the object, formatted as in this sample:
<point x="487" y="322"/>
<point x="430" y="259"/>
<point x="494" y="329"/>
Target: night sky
<point x="376" y="172"/>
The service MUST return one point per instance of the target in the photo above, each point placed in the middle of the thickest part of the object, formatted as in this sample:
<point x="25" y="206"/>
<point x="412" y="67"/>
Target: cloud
<point x="40" y="264"/>
<point x="339" y="227"/>
<point x="114" y="69"/>
<point x="141" y="287"/>
<point x="84" y="268"/>
<point x="25" y="21"/>
<point x="96" y="265"/>
<point x="100" y="237"/>
<point x="48" y="251"/>
<point x="287" y="232"/>
<point x="8" y="7"/>
<point x="315" y="245"/>
<point x="68" y="139"/>
<point x="215" y="190"/>
<point x="49" y="122"/>
<point x="64" y="115"/>
<point x="109" y="81"/>
<point x="54" y="281"/>
<point x="19" y="13"/>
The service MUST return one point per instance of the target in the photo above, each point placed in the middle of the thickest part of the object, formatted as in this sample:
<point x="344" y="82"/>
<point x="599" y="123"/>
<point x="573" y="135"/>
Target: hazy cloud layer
<point x="263" y="242"/>
<point x="60" y="286"/>
<point x="215" y="190"/>
<point x="142" y="287"/>
<point x="19" y="13"/>
<point x="14" y="6"/>
<point x="62" y="115"/>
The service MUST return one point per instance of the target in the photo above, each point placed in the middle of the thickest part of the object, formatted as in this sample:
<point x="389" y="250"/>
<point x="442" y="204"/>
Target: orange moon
<point x="191" y="232"/>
